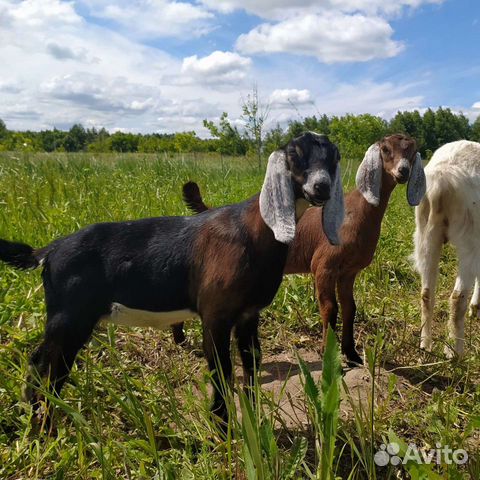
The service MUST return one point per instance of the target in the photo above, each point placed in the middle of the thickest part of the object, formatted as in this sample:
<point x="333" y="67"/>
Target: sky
<point x="164" y="66"/>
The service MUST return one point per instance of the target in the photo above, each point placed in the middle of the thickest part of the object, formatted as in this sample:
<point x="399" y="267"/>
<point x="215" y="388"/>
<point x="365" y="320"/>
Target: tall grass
<point x="137" y="406"/>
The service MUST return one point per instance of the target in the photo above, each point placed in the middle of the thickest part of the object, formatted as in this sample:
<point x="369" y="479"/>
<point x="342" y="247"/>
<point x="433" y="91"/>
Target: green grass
<point x="137" y="406"/>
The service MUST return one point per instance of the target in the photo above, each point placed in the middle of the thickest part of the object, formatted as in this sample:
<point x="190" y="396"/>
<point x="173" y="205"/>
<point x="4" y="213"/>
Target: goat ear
<point x="369" y="175"/>
<point x="334" y="211"/>
<point x="277" y="198"/>
<point x="417" y="183"/>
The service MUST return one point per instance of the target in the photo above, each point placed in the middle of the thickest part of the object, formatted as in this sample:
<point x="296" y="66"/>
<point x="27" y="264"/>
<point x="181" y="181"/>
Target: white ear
<point x="333" y="211"/>
<point x="417" y="184"/>
<point x="369" y="175"/>
<point x="277" y="198"/>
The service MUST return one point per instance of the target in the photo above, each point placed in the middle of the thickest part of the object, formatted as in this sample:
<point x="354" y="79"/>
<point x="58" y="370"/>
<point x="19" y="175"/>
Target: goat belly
<point x="122" y="315"/>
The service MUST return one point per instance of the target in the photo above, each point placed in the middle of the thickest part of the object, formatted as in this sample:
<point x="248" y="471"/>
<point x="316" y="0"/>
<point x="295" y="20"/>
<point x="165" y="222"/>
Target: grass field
<point x="137" y="405"/>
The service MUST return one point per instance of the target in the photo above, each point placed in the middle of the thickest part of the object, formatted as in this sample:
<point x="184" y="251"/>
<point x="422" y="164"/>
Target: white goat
<point x="450" y="212"/>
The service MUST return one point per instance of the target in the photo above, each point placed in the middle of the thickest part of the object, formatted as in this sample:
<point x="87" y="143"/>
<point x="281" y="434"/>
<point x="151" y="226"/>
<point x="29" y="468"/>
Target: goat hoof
<point x="451" y="354"/>
<point x="179" y="335"/>
<point x="475" y="311"/>
<point x="354" y="359"/>
<point x="219" y="418"/>
<point x="42" y="421"/>
<point x="426" y="344"/>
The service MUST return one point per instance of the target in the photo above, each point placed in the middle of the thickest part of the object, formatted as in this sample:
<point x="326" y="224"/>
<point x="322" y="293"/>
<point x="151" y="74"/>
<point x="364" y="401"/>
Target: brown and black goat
<point x="224" y="265"/>
<point x="391" y="161"/>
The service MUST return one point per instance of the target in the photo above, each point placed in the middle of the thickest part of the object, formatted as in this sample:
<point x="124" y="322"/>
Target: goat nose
<point x="322" y="190"/>
<point x="404" y="171"/>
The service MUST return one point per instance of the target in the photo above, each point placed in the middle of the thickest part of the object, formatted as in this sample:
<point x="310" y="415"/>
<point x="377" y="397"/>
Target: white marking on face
<point x="403" y="163"/>
<point x="317" y="178"/>
<point x="122" y="315"/>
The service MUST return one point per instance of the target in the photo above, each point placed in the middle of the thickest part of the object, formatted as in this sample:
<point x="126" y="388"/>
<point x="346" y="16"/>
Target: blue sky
<point x="163" y="65"/>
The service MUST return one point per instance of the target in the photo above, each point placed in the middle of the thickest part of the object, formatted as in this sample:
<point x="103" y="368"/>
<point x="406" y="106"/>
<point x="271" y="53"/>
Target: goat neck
<point x="260" y="233"/>
<point x="378" y="211"/>
<point x="362" y="226"/>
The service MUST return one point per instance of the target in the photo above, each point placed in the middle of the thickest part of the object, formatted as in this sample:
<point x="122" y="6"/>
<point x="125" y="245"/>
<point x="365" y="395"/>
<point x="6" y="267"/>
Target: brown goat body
<point x="335" y="267"/>
<point x="224" y="265"/>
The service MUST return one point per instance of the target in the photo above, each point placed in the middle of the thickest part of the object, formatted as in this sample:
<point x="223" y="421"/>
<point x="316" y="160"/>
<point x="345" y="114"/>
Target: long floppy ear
<point x="369" y="175"/>
<point x="417" y="183"/>
<point x="277" y="198"/>
<point x="334" y="211"/>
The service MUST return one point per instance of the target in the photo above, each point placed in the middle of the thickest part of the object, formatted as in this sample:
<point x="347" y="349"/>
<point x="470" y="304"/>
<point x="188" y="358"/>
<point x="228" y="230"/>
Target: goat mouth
<point x="400" y="179"/>
<point x="316" y="202"/>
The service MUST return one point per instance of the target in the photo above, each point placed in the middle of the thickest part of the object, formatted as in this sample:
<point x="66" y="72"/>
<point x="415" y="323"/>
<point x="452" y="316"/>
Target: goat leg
<point x="475" y="302"/>
<point x="458" y="305"/>
<point x="248" y="343"/>
<point x="347" y="302"/>
<point x="65" y="335"/>
<point x="216" y="346"/>
<point x="328" y="306"/>
<point x="178" y="333"/>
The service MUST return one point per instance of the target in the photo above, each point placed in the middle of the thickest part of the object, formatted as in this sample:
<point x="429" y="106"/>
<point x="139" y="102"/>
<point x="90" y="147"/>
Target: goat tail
<point x="19" y="255"/>
<point x="193" y="198"/>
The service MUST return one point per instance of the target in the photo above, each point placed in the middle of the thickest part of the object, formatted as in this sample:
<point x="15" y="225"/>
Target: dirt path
<point x="281" y="378"/>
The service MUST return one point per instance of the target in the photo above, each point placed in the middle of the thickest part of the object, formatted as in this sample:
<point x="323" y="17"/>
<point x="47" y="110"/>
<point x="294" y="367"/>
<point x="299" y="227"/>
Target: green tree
<point x="429" y="136"/>
<point x="20" y="142"/>
<point x="295" y="128"/>
<point x="274" y="139"/>
<point x="187" y="142"/>
<point x="255" y="114"/>
<point x="3" y="130"/>
<point x="101" y="143"/>
<point x="462" y="124"/>
<point x="52" y="140"/>
<point x="475" y="132"/>
<point x="124" y="142"/>
<point x="354" y="134"/>
<point x="450" y="127"/>
<point x="230" y="142"/>
<point x="76" y="139"/>
<point x="319" y="125"/>
<point x="312" y="124"/>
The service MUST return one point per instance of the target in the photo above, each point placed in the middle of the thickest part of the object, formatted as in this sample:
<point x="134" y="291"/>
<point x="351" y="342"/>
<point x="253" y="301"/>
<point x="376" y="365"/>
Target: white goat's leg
<point x="475" y="302"/>
<point x="458" y="306"/>
<point x="428" y="257"/>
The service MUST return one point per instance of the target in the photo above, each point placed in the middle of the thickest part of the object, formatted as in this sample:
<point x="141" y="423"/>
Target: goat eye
<point x="292" y="153"/>
<point x="385" y="150"/>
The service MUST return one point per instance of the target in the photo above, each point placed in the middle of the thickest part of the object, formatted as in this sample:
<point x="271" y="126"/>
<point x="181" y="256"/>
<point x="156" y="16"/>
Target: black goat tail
<point x="18" y="255"/>
<point x="193" y="198"/>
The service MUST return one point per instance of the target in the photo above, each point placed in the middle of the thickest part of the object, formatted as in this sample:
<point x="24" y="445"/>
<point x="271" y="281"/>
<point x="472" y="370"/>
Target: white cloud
<point x="66" y="53"/>
<point x="154" y="18"/>
<point x="330" y="38"/>
<point x="56" y="73"/>
<point x="218" y="67"/>
<point x="10" y="87"/>
<point x="285" y="9"/>
<point x="476" y="105"/>
<point x="289" y="97"/>
<point x="59" y="68"/>
<point x="383" y="99"/>
<point x="38" y="13"/>
<point x="94" y="93"/>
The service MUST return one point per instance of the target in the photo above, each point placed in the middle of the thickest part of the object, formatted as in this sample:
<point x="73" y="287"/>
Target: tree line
<point x="353" y="134"/>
